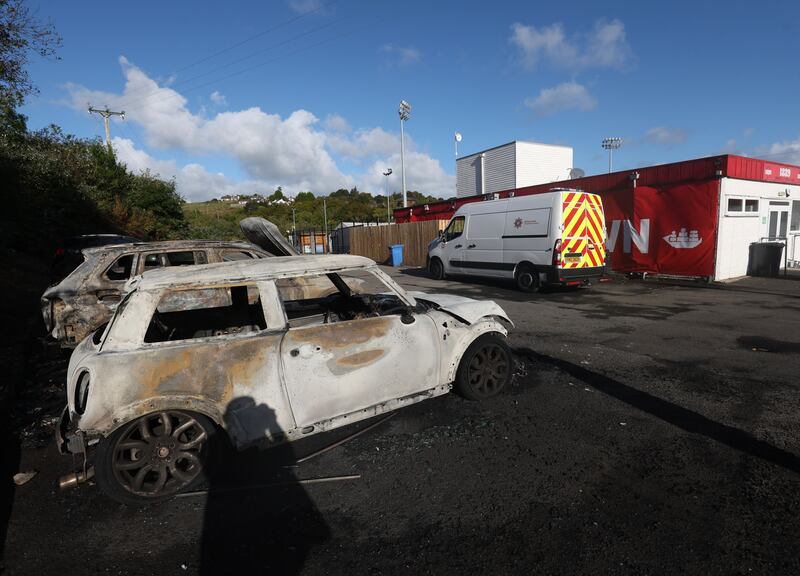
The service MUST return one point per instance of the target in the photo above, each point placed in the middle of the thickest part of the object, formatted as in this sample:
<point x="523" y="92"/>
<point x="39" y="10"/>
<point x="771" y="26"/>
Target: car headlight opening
<point x="82" y="392"/>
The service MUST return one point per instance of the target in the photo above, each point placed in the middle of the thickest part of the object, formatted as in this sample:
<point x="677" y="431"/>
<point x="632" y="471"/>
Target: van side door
<point x="483" y="253"/>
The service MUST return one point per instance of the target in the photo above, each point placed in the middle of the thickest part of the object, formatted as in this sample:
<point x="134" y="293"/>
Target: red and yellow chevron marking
<point x="583" y="235"/>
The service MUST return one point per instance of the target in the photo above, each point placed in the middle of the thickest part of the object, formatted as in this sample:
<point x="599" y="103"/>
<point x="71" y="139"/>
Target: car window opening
<point x="207" y="312"/>
<point x="121" y="268"/>
<point x="325" y="299"/>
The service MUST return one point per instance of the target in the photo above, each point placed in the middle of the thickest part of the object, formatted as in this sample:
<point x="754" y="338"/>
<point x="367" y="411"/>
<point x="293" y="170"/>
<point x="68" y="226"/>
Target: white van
<point x="557" y="237"/>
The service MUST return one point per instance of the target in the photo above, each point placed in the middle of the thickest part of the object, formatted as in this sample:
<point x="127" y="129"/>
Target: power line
<point x="128" y="103"/>
<point x="264" y="32"/>
<point x="258" y="35"/>
<point x="260" y="64"/>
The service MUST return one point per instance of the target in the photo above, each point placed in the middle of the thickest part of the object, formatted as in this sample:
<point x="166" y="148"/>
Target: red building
<point x="691" y="218"/>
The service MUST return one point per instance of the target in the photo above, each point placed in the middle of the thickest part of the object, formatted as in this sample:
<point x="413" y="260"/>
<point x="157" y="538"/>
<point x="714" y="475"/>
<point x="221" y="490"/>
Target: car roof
<point x="170" y="245"/>
<point x="247" y="271"/>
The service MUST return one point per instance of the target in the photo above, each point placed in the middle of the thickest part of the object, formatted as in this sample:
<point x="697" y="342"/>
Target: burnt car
<point x="69" y="253"/>
<point x="262" y="352"/>
<point x="84" y="300"/>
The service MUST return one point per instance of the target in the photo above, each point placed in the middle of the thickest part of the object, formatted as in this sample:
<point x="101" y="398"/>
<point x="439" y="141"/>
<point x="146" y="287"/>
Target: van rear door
<point x="583" y="234"/>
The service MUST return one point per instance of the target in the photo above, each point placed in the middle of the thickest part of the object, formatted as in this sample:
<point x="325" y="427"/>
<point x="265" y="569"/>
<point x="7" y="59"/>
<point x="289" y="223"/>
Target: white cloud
<point x="663" y="135"/>
<point x="787" y="152"/>
<point x="295" y="152"/>
<point x="366" y="143"/>
<point x="218" y="98"/>
<point x="604" y="47"/>
<point x="304" y="6"/>
<point x="289" y="151"/>
<point x="404" y="55"/>
<point x="192" y="181"/>
<point x="337" y="124"/>
<point x="566" y="96"/>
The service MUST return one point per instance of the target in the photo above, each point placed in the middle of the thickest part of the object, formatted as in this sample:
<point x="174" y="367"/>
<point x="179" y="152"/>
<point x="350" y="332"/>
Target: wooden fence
<point x="374" y="241"/>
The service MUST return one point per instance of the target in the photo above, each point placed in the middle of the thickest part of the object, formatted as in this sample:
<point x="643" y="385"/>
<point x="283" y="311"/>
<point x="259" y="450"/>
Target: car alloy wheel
<point x="154" y="456"/>
<point x="485" y="368"/>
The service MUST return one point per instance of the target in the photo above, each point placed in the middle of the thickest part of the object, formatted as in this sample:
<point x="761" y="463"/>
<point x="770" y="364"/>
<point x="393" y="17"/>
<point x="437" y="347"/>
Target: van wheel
<point x="527" y="278"/>
<point x="485" y="368"/>
<point x="436" y="269"/>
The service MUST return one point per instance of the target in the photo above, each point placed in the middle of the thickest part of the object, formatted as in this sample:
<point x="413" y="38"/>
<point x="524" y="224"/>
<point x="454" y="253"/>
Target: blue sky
<point x="304" y="93"/>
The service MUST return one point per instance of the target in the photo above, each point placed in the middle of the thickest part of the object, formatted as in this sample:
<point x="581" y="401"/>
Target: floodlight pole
<point x="405" y="112"/>
<point x="386" y="192"/>
<point x="611" y="144"/>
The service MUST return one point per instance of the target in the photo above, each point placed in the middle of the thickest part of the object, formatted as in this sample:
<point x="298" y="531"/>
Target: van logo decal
<point x="518" y="223"/>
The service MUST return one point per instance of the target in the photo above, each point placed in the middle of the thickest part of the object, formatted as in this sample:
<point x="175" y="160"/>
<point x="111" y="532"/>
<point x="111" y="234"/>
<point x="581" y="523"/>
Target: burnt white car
<point x="263" y="351"/>
<point x="85" y="299"/>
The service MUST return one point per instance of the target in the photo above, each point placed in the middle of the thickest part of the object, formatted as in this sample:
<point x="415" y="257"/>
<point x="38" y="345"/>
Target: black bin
<point x="765" y="259"/>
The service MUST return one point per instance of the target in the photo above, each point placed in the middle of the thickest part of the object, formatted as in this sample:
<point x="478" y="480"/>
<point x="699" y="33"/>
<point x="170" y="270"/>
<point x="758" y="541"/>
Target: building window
<point x="742" y="207"/>
<point x="795" y="224"/>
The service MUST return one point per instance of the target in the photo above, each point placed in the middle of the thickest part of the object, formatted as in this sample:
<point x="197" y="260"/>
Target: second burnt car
<point x="85" y="299"/>
<point x="263" y="352"/>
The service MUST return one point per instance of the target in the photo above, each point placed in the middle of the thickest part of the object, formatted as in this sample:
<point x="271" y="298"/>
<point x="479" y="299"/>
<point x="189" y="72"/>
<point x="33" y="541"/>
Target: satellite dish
<point x="576" y="173"/>
<point x="458" y="136"/>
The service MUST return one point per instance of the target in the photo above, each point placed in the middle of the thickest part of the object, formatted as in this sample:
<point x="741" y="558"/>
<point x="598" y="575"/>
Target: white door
<point x="339" y="368"/>
<point x="778" y="219"/>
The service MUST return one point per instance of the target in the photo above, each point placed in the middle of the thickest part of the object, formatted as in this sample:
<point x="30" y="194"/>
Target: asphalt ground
<point x="649" y="429"/>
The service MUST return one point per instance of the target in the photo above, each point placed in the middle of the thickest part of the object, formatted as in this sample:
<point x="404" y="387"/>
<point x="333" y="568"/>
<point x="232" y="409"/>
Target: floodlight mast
<point x="405" y="113"/>
<point x="387" y="173"/>
<point x="611" y="144"/>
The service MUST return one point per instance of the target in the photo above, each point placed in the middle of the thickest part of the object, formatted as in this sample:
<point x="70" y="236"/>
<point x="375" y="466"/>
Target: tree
<point x="20" y="34"/>
<point x="277" y="195"/>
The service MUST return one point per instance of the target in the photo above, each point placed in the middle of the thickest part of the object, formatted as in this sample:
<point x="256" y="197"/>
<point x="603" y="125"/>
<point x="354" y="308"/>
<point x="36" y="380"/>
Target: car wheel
<point x="436" y="269"/>
<point x="485" y="368"/>
<point x="527" y="278"/>
<point x="155" y="456"/>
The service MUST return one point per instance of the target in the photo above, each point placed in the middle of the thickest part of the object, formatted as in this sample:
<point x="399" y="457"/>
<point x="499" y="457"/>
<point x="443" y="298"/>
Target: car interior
<point x="191" y="314"/>
<point x="345" y="299"/>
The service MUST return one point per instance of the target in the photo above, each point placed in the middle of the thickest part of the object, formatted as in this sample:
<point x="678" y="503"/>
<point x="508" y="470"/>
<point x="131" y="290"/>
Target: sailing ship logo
<point x="683" y="239"/>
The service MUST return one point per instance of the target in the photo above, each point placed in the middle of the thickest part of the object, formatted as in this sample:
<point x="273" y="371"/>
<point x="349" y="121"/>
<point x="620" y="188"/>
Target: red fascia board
<point x="697" y="169"/>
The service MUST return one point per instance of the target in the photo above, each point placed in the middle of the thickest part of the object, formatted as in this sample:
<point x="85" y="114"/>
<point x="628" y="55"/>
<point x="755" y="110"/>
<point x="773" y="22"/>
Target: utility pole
<point x="294" y="228"/>
<point x="106" y="114"/>
<point x="325" y="216"/>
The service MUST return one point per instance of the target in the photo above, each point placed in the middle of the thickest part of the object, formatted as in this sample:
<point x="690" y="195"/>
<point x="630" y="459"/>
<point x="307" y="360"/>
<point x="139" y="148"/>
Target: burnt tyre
<point x="526" y="278"/>
<point x="154" y="457"/>
<point x="485" y="368"/>
<point x="436" y="269"/>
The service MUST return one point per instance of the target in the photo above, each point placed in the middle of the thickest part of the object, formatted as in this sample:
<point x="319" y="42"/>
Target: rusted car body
<point x="86" y="298"/>
<point x="265" y="351"/>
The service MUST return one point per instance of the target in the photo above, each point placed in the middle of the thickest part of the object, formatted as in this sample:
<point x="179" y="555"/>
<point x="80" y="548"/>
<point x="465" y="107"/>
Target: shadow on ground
<point x="674" y="414"/>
